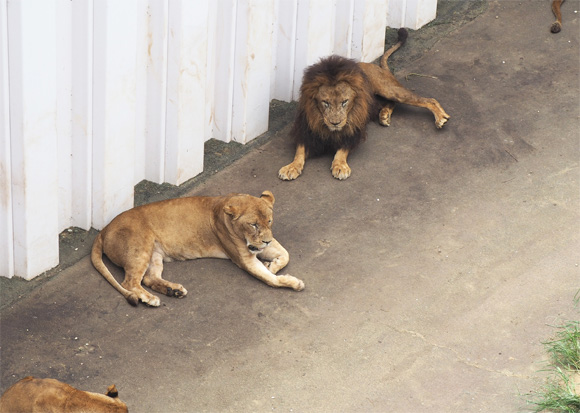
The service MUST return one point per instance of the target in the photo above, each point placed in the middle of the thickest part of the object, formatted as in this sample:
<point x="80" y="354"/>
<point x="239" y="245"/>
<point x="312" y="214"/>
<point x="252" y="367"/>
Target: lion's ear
<point x="112" y="391"/>
<point x="268" y="196"/>
<point x="232" y="211"/>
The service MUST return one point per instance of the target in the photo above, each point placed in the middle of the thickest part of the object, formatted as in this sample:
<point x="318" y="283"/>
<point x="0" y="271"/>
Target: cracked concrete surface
<point x="432" y="274"/>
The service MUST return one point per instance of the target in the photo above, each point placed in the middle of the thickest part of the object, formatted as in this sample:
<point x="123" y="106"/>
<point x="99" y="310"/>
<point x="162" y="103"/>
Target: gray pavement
<point x="432" y="274"/>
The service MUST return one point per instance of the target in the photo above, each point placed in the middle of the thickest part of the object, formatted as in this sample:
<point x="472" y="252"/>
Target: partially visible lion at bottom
<point x="236" y="227"/>
<point x="337" y="99"/>
<point x="33" y="395"/>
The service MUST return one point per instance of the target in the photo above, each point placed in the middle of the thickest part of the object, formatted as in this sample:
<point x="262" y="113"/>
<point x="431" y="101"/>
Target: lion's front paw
<point x="291" y="282"/>
<point x="299" y="285"/>
<point x="340" y="170"/>
<point x="289" y="172"/>
<point x="152" y="301"/>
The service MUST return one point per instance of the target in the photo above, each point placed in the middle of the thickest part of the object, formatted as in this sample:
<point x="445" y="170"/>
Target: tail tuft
<point x="402" y="38"/>
<point x="403" y="34"/>
<point x="556" y="27"/>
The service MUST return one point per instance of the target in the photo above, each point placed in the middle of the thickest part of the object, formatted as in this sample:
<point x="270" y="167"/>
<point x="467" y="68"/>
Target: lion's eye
<point x="325" y="104"/>
<point x="344" y="103"/>
<point x="255" y="226"/>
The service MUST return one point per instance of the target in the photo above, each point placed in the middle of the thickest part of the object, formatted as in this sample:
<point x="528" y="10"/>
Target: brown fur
<point x="32" y="395"/>
<point x="236" y="227"/>
<point x="338" y="97"/>
<point x="557" y="25"/>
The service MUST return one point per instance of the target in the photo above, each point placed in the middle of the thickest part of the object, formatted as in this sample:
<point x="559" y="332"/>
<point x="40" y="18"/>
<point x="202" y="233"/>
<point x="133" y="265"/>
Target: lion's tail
<point x="97" y="259"/>
<point x="402" y="38"/>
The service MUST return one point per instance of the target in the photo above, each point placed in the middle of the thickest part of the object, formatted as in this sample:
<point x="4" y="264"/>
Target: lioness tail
<point x="402" y="38"/>
<point x="97" y="259"/>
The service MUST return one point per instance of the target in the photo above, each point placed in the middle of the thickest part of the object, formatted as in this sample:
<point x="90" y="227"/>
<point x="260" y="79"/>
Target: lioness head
<point x="251" y="219"/>
<point x="334" y="103"/>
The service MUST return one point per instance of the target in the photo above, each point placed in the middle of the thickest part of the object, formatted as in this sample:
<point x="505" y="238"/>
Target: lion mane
<point x="309" y="128"/>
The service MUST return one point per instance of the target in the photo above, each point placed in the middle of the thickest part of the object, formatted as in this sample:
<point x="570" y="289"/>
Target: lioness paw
<point x="340" y="170"/>
<point x="152" y="301"/>
<point x="291" y="282"/>
<point x="289" y="172"/>
<point x="299" y="285"/>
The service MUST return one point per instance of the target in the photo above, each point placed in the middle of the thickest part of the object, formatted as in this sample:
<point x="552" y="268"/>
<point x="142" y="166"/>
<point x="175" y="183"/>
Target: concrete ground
<point x="432" y="274"/>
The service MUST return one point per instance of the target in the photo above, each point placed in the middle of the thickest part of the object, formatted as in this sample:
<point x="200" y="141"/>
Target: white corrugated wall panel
<point x="187" y="57"/>
<point x="82" y="113"/>
<point x="114" y="108"/>
<point x="6" y="232"/>
<point x="412" y="14"/>
<point x="222" y="68"/>
<point x="253" y="54"/>
<point x="32" y="46"/>
<point x="152" y="91"/>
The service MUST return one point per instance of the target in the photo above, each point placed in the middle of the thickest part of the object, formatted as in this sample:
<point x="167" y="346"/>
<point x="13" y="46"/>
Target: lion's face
<point x="335" y="98"/>
<point x="334" y="103"/>
<point x="252" y="219"/>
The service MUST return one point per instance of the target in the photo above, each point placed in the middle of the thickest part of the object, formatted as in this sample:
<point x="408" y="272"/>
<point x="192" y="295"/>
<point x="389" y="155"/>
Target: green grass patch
<point x="564" y="350"/>
<point x="561" y="393"/>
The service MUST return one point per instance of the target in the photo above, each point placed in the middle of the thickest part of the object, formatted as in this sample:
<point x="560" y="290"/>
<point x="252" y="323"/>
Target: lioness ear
<point x="112" y="391"/>
<point x="268" y="196"/>
<point x="232" y="211"/>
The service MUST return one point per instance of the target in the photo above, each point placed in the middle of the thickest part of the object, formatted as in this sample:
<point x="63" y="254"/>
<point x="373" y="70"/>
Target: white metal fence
<point x="97" y="95"/>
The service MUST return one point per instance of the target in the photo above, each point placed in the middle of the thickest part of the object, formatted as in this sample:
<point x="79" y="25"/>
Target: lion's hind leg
<point x="134" y="274"/>
<point x="274" y="257"/>
<point x="402" y="95"/>
<point x="386" y="86"/>
<point x="153" y="280"/>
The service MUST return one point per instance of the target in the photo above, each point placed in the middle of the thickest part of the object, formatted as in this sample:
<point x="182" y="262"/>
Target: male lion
<point x="34" y="395"/>
<point x="237" y="226"/>
<point x="337" y="98"/>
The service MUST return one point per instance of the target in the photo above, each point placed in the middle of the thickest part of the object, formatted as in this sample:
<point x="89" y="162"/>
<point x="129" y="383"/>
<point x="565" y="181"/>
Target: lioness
<point x="236" y="227"/>
<point x="32" y="395"/>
